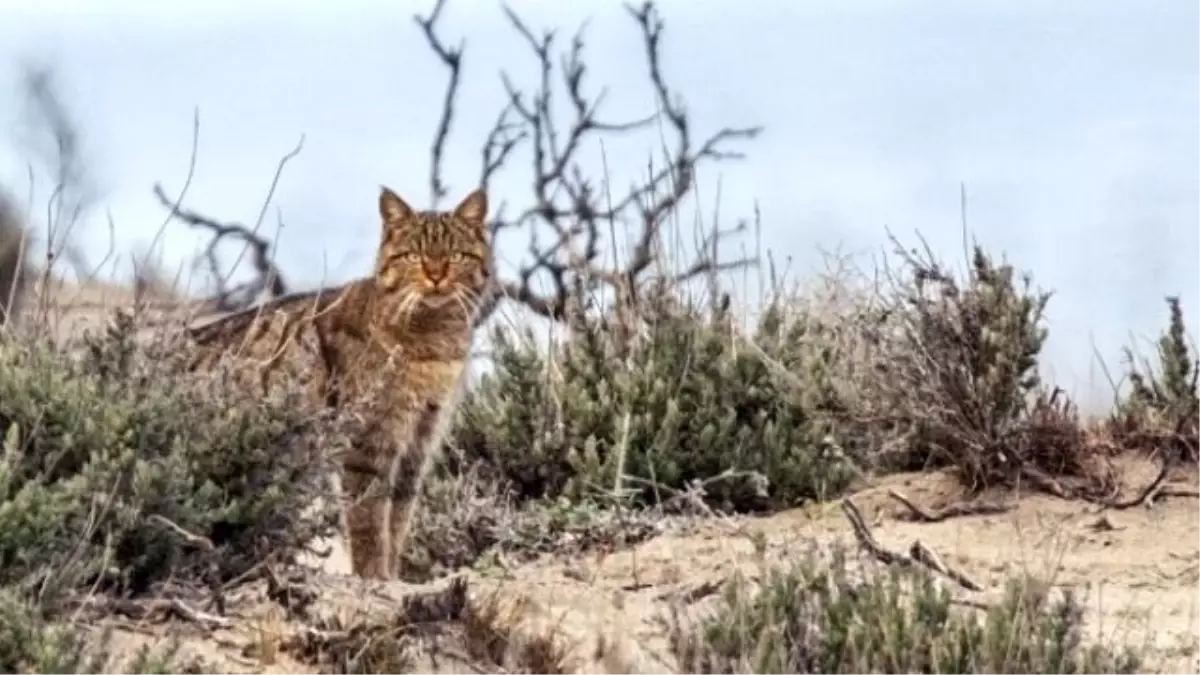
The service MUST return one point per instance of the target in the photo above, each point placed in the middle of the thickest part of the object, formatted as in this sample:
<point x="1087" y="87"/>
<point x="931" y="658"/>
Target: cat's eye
<point x="412" y="257"/>
<point x="457" y="257"/>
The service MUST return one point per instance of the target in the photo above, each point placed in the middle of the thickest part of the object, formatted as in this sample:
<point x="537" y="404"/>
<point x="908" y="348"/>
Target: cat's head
<point x="434" y="258"/>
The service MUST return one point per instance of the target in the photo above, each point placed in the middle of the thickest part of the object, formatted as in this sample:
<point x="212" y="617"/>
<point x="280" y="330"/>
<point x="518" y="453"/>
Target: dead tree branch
<point x="452" y="58"/>
<point x="567" y="203"/>
<point x="268" y="279"/>
<point x="919" y="554"/>
<point x="955" y="510"/>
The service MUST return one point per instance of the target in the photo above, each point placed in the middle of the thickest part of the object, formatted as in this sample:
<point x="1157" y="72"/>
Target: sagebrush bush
<point x="685" y="400"/>
<point x="951" y="378"/>
<point x="1161" y="410"/>
<point x="1168" y="393"/>
<point x="109" y="448"/>
<point x="813" y="618"/>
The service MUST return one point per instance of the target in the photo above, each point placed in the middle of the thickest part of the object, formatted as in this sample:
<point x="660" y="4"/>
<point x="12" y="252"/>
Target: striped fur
<point x="394" y="344"/>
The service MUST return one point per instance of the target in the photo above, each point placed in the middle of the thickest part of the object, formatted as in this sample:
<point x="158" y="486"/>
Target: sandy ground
<point x="1134" y="569"/>
<point x="1138" y="569"/>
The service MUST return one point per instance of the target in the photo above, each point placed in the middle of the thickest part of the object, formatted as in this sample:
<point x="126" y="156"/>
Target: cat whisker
<point x="466" y="302"/>
<point x="405" y="307"/>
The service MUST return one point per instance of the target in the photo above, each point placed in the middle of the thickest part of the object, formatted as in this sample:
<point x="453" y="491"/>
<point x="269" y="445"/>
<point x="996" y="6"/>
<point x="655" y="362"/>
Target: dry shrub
<point x="469" y="516"/>
<point x="29" y="643"/>
<point x="940" y="370"/>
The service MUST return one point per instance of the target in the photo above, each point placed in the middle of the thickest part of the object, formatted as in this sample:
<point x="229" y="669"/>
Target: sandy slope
<point x="1137" y="570"/>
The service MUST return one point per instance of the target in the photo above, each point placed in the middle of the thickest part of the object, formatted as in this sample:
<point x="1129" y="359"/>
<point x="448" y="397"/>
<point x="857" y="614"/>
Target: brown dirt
<point x="1138" y="568"/>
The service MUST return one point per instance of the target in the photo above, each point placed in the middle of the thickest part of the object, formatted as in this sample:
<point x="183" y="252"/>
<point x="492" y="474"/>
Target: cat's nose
<point x="435" y="272"/>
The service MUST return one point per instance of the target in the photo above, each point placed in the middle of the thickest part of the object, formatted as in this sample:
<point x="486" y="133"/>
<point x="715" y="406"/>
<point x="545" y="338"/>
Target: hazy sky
<point x="1074" y="125"/>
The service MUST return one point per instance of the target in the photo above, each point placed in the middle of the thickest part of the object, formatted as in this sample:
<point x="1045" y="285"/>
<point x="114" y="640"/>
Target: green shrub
<point x="687" y="400"/>
<point x="1169" y="392"/>
<point x="813" y="619"/>
<point x="112" y="457"/>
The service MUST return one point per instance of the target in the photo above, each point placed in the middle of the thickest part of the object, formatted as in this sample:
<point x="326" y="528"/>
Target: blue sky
<point x="1075" y="126"/>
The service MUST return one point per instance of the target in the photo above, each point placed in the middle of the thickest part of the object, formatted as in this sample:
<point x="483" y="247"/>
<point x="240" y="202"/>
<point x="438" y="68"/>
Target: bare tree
<point x="568" y="202"/>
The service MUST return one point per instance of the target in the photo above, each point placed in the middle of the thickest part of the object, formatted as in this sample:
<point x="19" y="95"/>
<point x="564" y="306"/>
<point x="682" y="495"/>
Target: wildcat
<point x="394" y="344"/>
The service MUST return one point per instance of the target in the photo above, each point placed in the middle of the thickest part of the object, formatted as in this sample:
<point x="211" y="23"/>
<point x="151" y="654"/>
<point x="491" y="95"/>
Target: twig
<point x="149" y="609"/>
<point x="200" y="542"/>
<point x="269" y="277"/>
<point x="213" y="571"/>
<point x="452" y="58"/>
<point x="953" y="511"/>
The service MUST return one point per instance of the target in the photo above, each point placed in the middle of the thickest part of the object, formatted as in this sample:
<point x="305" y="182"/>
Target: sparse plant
<point x="815" y="617"/>
<point x="1170" y="390"/>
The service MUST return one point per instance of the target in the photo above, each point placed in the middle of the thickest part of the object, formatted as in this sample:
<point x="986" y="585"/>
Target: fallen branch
<point x="1146" y="494"/>
<point x="929" y="558"/>
<point x="953" y="511"/>
<point x="149" y="609"/>
<point x="919" y="553"/>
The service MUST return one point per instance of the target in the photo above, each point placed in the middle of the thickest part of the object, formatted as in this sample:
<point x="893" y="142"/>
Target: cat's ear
<point x="391" y="207"/>
<point x="473" y="208"/>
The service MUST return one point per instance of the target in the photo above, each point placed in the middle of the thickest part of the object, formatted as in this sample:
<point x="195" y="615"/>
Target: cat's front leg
<point x="368" y="513"/>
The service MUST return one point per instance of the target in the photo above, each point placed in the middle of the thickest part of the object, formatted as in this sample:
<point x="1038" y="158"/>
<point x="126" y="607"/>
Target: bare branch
<point x="568" y="203"/>
<point x="269" y="279"/>
<point x="452" y="58"/>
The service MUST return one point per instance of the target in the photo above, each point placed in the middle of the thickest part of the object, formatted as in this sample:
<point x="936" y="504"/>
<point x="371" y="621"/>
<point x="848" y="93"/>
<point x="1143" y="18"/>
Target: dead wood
<point x="919" y="554"/>
<point x="952" y="511"/>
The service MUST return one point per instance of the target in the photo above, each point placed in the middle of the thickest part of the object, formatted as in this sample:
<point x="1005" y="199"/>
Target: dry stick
<point x="952" y="511"/>
<point x="153" y="609"/>
<point x="1147" y="493"/>
<point x="1154" y="490"/>
<point x="206" y="546"/>
<point x="269" y="278"/>
<point x="923" y="555"/>
<point x="929" y="558"/>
